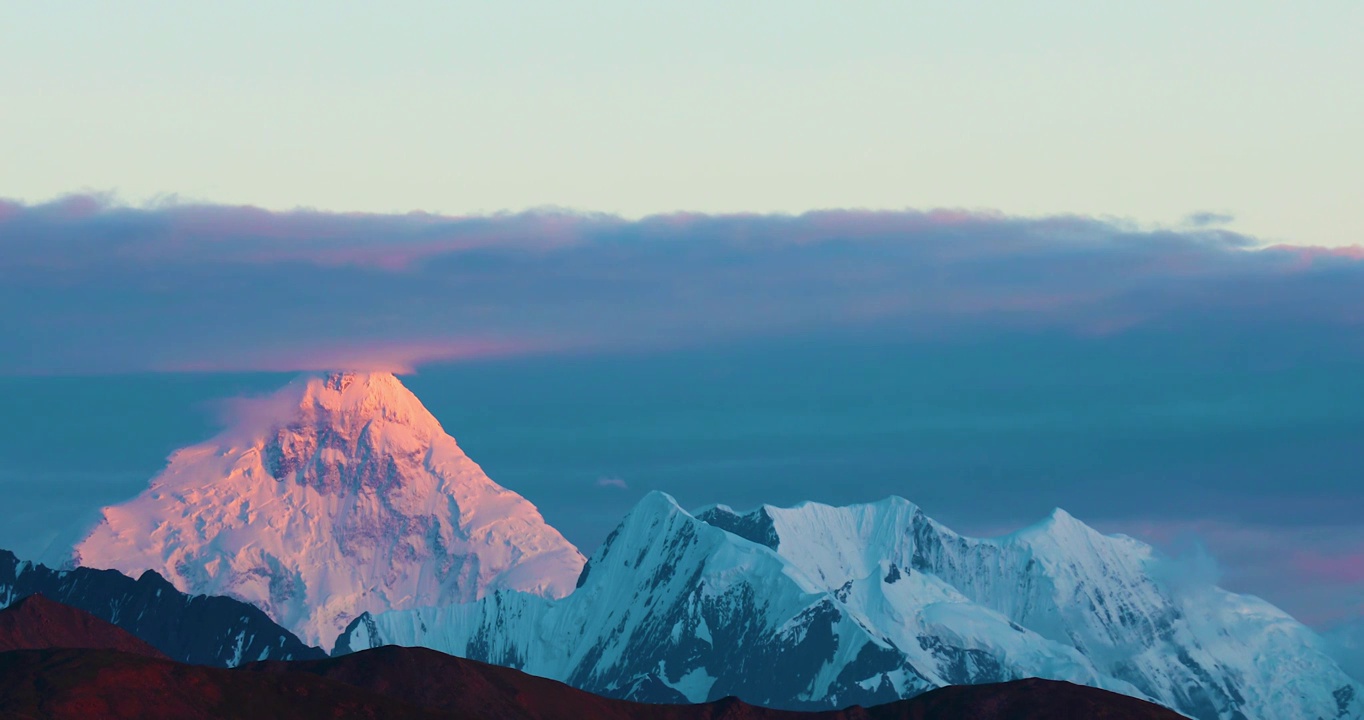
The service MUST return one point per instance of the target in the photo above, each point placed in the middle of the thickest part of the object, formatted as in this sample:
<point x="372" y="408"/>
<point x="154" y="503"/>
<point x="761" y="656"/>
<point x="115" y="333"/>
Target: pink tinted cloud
<point x="391" y="242"/>
<point x="78" y="207"/>
<point x="401" y="357"/>
<point x="1318" y="566"/>
<point x="1302" y="569"/>
<point x="173" y="232"/>
<point x="1306" y="257"/>
<point x="86" y="285"/>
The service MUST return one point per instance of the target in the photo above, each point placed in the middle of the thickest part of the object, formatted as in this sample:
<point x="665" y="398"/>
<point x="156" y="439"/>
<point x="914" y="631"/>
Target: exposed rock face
<point x="202" y="630"/>
<point x="820" y="607"/>
<point x="339" y="495"/>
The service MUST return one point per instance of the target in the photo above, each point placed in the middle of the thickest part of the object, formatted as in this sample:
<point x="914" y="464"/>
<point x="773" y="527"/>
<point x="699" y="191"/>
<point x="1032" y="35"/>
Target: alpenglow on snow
<point x="341" y="494"/>
<point x="824" y="607"/>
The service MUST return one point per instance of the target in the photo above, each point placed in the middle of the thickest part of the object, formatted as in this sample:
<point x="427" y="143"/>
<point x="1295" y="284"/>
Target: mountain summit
<point x="818" y="607"/>
<point x="339" y="494"/>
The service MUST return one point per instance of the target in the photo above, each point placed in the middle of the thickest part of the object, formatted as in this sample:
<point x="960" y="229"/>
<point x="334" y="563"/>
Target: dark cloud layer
<point x="90" y="288"/>
<point x="1166" y="383"/>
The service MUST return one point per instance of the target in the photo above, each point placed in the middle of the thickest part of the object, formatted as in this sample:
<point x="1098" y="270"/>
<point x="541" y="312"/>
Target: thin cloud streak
<point x="91" y="287"/>
<point x="1334" y="568"/>
<point x="1306" y="569"/>
<point x="400" y="357"/>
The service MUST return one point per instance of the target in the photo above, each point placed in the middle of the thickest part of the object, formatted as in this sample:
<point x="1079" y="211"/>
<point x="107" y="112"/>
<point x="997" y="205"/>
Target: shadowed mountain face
<point x="75" y="665"/>
<point x="818" y="607"/>
<point x="73" y="684"/>
<point x="456" y="685"/>
<point x="1030" y="699"/>
<point x="414" y="683"/>
<point x="197" y="629"/>
<point x="36" y="623"/>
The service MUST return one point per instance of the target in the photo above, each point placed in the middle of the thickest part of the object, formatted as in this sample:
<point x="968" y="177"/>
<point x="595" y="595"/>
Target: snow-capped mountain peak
<point x="1058" y="527"/>
<point x="818" y="606"/>
<point x="337" y="495"/>
<point x="350" y="397"/>
<point x="342" y="421"/>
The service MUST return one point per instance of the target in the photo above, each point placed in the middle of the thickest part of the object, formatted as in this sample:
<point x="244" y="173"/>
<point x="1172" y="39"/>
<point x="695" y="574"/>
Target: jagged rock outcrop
<point x="197" y="629"/>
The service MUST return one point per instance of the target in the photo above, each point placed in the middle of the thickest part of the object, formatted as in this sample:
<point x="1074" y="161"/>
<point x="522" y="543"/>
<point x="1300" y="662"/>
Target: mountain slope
<point x="415" y="683"/>
<point x="817" y="607"/>
<point x="340" y="494"/>
<point x="1345" y="643"/>
<point x="1030" y="699"/>
<point x="67" y="684"/>
<point x="443" y="682"/>
<point x="36" y="623"/>
<point x="203" y="630"/>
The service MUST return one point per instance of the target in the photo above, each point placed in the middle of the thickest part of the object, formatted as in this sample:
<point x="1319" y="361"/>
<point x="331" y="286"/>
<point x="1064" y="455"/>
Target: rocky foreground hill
<point x="90" y="679"/>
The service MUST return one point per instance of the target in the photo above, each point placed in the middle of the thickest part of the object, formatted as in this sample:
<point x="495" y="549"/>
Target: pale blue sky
<point x="1142" y="110"/>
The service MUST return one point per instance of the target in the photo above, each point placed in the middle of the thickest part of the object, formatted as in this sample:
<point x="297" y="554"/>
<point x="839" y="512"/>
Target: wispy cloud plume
<point x="1305" y="568"/>
<point x="91" y="287"/>
<point x="1341" y="568"/>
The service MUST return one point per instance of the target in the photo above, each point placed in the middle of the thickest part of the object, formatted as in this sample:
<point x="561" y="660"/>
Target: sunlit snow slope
<point x="339" y="495"/>
<point x="818" y="606"/>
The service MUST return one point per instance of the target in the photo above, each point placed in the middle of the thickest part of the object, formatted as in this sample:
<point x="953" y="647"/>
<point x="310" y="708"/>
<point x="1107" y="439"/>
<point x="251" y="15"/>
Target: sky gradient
<point x="1151" y="111"/>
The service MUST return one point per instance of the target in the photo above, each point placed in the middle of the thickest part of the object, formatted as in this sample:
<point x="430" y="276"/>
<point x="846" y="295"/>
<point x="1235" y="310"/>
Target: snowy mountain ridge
<point x="818" y="607"/>
<point x="338" y="495"/>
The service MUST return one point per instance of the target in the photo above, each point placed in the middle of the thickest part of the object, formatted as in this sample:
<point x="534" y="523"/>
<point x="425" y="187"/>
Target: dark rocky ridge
<point x="416" y="683"/>
<point x="73" y="684"/>
<point x="77" y="676"/>
<point x="755" y="526"/>
<point x="196" y="629"/>
<point x="456" y="685"/>
<point x="36" y="623"/>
